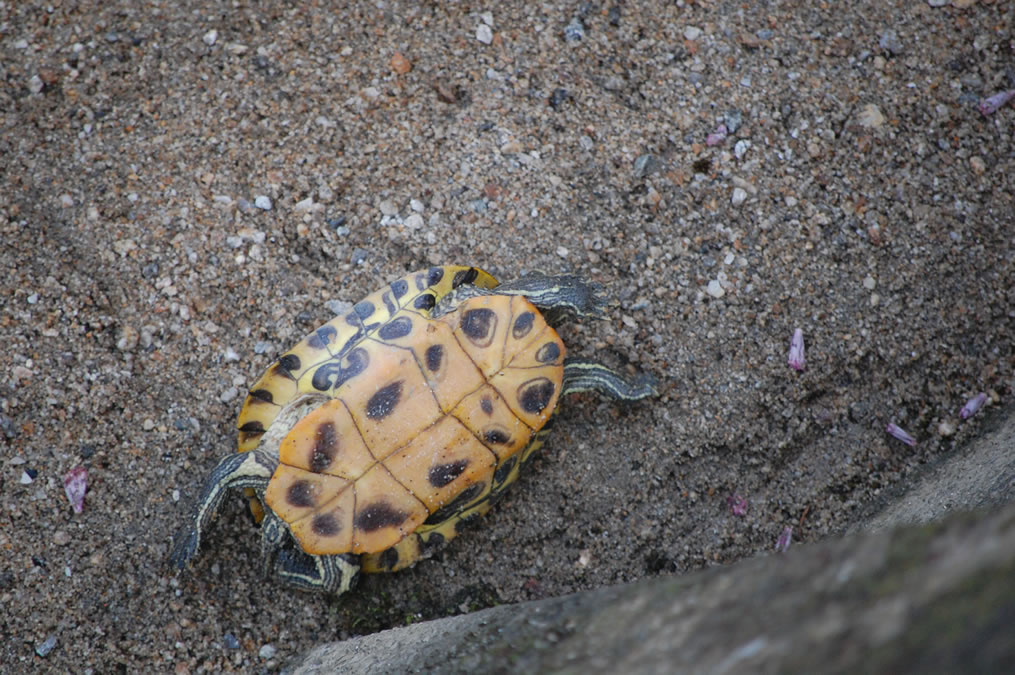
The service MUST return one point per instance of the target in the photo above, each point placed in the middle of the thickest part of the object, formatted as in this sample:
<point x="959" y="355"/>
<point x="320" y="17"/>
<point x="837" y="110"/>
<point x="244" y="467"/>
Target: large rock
<point x="892" y="597"/>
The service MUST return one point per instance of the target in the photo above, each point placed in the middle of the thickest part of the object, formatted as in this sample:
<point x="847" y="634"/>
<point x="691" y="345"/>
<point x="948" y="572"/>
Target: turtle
<point x="381" y="434"/>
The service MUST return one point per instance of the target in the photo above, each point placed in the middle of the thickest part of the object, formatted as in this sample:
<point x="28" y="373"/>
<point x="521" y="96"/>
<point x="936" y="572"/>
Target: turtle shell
<point x="409" y="411"/>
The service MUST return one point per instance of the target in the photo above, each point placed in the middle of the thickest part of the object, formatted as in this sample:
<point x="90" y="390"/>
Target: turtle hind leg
<point x="586" y="375"/>
<point x="240" y="470"/>
<point x="333" y="574"/>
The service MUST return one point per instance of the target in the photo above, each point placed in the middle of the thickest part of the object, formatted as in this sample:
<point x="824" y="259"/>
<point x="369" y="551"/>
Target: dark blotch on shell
<point x="300" y="494"/>
<point x="463" y="500"/>
<point x="523" y="324"/>
<point x="255" y="427"/>
<point x="478" y="324"/>
<point x="290" y="363"/>
<point x="325" y="525"/>
<point x="464" y="277"/>
<point x="424" y="302"/>
<point x="262" y="395"/>
<point x="400" y="288"/>
<point x="504" y="470"/>
<point x="434" y="356"/>
<point x="496" y="436"/>
<point x="432" y="542"/>
<point x="364" y="309"/>
<point x="398" y="328"/>
<point x="486" y="404"/>
<point x="325" y="447"/>
<point x="548" y="353"/>
<point x="322" y="337"/>
<point x="388" y="559"/>
<point x="434" y="275"/>
<point x="379" y="515"/>
<point x="384" y="401"/>
<point x="535" y="394"/>
<point x="335" y="373"/>
<point x="442" y="474"/>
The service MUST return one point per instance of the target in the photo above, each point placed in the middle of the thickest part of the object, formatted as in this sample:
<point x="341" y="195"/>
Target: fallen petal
<point x="991" y="104"/>
<point x="796" y="350"/>
<point x="900" y="434"/>
<point x="737" y="504"/>
<point x="973" y="405"/>
<point x="785" y="539"/>
<point x="75" y="484"/>
<point x="717" y="136"/>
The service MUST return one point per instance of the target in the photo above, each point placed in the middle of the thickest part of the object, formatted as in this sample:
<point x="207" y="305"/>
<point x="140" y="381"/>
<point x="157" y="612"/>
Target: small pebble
<point x="484" y="34"/>
<point x="26" y="477"/>
<point x="267" y="652"/>
<point x="400" y="64"/>
<point x="574" y="31"/>
<point x="46" y="647"/>
<point x="230" y="641"/>
<point x="715" y="289"/>
<point x="740" y="148"/>
<point x="416" y="205"/>
<point x="262" y="202"/>
<point x="692" y="33"/>
<point x="869" y="283"/>
<point x="388" y="207"/>
<point x="562" y="252"/>
<point x="739" y="196"/>
<point x="229" y="394"/>
<point x="890" y="42"/>
<point x="210" y="37"/>
<point x="61" y="538"/>
<point x="870" y="116"/>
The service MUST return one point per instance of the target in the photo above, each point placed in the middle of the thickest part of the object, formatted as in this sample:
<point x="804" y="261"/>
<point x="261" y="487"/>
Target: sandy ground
<point x="854" y="191"/>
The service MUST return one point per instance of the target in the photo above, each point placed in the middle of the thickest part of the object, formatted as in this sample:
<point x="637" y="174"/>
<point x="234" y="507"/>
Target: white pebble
<point x="416" y="205"/>
<point x="562" y="252"/>
<point x="869" y="283"/>
<point x="210" y="37"/>
<point x="739" y="196"/>
<point x="870" y="116"/>
<point x="35" y="84"/>
<point x="229" y="394"/>
<point x="741" y="148"/>
<point x="267" y="652"/>
<point x="262" y="202"/>
<point x="484" y="34"/>
<point x="715" y="289"/>
<point x="230" y="355"/>
<point x="388" y="208"/>
<point x="25" y="478"/>
<point x="414" y="221"/>
<point x="692" y="33"/>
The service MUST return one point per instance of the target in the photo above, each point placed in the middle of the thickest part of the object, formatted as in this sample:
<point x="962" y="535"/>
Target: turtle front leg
<point x="241" y="470"/>
<point x="585" y="375"/>
<point x="557" y="297"/>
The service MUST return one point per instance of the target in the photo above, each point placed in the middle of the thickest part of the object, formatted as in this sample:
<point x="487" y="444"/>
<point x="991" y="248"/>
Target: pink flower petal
<point x="796" y="350"/>
<point x="717" y="136"/>
<point x="785" y="539"/>
<point x="75" y="484"/>
<point x="900" y="434"/>
<point x="973" y="405"/>
<point x="737" y="504"/>
<point x="991" y="104"/>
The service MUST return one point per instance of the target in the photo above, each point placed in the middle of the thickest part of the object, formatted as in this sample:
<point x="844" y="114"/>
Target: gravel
<point x="159" y="251"/>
